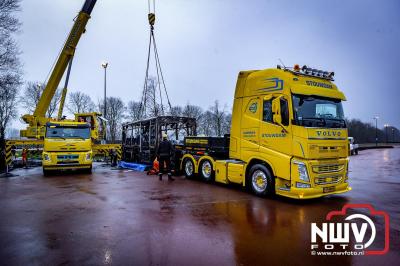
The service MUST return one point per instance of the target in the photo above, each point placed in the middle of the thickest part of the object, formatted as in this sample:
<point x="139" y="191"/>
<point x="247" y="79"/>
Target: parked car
<point x="353" y="146"/>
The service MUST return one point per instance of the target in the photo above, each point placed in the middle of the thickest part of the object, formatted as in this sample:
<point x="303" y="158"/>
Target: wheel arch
<point x="194" y="160"/>
<point x="206" y="157"/>
<point x="255" y="161"/>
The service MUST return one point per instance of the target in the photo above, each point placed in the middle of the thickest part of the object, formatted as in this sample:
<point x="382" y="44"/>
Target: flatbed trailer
<point x="198" y="154"/>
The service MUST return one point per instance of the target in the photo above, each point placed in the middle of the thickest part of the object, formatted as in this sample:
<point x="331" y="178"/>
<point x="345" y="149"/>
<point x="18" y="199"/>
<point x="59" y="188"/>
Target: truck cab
<point x="290" y="122"/>
<point x="288" y="136"/>
<point x="67" y="146"/>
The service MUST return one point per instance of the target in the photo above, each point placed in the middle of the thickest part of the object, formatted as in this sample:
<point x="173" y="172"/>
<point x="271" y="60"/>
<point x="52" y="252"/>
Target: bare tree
<point x="192" y="111"/>
<point x="151" y="102"/>
<point x="31" y="96"/>
<point x="133" y="110"/>
<point x="9" y="23"/>
<point x="176" y="111"/>
<point x="12" y="133"/>
<point x="10" y="68"/>
<point x="218" y="115"/>
<point x="79" y="102"/>
<point x="115" y="114"/>
<point x="8" y="101"/>
<point x="226" y="126"/>
<point x="205" y="124"/>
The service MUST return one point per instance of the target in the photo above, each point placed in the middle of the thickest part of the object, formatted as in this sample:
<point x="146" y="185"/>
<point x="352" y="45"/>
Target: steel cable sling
<point x="160" y="75"/>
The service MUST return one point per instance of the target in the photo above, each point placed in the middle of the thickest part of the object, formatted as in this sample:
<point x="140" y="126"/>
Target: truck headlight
<point x="303" y="174"/>
<point x="46" y="157"/>
<point x="88" y="156"/>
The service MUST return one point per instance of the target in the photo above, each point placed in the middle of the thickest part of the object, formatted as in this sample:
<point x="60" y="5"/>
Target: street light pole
<point x="376" y="130"/>
<point x="386" y="132"/>
<point x="105" y="65"/>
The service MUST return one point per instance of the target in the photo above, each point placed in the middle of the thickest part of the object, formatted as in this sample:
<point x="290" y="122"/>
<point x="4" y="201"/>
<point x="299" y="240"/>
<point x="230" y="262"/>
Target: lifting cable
<point x="160" y="75"/>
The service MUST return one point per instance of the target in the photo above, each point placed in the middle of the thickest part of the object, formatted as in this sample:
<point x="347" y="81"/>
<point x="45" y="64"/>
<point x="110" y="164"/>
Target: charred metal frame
<point x="140" y="139"/>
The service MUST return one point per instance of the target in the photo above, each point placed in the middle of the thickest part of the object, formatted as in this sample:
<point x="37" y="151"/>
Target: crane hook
<point x="152" y="19"/>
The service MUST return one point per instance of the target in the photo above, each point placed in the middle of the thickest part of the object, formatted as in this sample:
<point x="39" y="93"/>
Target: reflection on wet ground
<point x="128" y="218"/>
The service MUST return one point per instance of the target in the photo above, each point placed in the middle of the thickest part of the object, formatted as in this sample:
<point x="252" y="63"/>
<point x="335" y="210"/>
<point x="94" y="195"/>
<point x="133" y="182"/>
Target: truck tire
<point x="46" y="172"/>
<point x="88" y="171"/>
<point x="356" y="151"/>
<point x="188" y="168"/>
<point x="261" y="180"/>
<point x="206" y="170"/>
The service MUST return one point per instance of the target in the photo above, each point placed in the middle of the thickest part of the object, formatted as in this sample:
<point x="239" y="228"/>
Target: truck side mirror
<point x="280" y="112"/>
<point x="276" y="111"/>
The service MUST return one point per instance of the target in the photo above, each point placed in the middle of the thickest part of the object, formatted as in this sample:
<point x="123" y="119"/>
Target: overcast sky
<point x="203" y="44"/>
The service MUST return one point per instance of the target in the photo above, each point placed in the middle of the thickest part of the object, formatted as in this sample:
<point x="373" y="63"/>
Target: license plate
<point x="328" y="189"/>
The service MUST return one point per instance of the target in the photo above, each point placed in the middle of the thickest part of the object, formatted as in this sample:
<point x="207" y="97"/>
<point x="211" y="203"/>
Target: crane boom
<point x="65" y="56"/>
<point x="64" y="91"/>
<point x="39" y="119"/>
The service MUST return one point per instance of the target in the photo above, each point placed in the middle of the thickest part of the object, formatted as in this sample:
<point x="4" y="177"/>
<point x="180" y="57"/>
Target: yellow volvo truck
<point x="67" y="145"/>
<point x="288" y="136"/>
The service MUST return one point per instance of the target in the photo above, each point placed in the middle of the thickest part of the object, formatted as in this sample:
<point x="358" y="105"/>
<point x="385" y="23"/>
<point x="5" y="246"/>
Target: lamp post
<point x="105" y="65"/>
<point x="386" y="132"/>
<point x="376" y="130"/>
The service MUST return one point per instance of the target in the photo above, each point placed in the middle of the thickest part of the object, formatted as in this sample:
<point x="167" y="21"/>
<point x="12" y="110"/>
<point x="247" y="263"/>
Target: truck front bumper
<point x="67" y="167"/>
<point x="67" y="161"/>
<point x="314" y="192"/>
<point x="315" y="178"/>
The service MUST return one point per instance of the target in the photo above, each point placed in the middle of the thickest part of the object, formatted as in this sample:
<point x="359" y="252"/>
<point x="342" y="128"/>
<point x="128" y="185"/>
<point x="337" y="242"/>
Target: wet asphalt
<point x="120" y="217"/>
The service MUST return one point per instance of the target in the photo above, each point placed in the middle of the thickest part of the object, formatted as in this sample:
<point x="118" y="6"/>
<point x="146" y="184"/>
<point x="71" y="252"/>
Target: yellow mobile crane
<point x="67" y="144"/>
<point x="38" y="120"/>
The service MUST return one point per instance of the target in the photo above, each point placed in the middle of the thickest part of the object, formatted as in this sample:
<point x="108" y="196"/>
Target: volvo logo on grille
<point x="329" y="133"/>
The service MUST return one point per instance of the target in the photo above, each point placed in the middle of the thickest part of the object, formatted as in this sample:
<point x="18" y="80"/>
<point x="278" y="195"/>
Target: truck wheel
<point x="188" y="168"/>
<point x="356" y="151"/>
<point x="88" y="171"/>
<point x="206" y="170"/>
<point x="46" y="172"/>
<point x="261" y="180"/>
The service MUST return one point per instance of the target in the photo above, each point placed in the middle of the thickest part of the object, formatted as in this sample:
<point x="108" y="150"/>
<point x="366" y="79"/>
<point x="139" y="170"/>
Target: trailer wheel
<point x="206" y="170"/>
<point x="188" y="168"/>
<point x="261" y="180"/>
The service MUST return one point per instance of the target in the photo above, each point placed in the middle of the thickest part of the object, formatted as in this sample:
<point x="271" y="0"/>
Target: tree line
<point x="214" y="121"/>
<point x="365" y="132"/>
<point x="10" y="68"/>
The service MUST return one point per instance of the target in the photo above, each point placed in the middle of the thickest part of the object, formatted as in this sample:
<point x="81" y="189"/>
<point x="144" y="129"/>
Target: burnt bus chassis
<point x="140" y="139"/>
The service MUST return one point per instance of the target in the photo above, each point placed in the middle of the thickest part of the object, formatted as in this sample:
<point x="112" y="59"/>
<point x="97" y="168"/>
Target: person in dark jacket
<point x="164" y="152"/>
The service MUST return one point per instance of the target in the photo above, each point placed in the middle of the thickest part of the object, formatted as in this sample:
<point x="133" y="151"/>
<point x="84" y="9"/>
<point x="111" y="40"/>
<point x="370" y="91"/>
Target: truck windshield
<point x="68" y="132"/>
<point x="314" y="111"/>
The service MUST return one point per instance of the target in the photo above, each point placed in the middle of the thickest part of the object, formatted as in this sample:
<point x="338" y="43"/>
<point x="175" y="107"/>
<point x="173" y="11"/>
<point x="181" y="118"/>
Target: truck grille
<point x="327" y="168"/>
<point x="68" y="163"/>
<point x="324" y="180"/>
